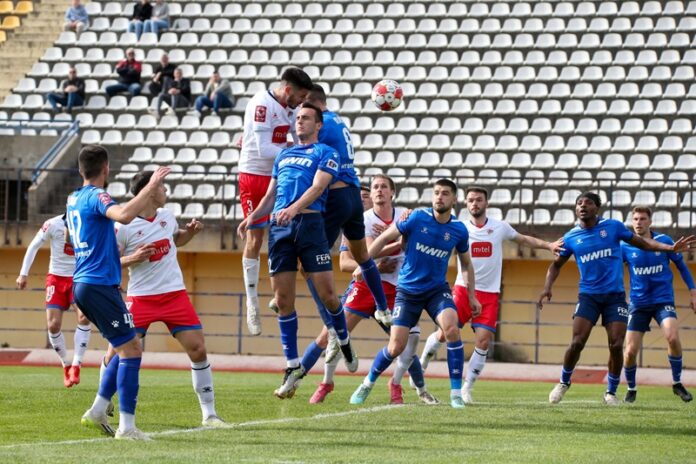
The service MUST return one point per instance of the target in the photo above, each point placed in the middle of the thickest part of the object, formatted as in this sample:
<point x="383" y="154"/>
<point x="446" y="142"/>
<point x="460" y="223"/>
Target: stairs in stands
<point x="26" y="44"/>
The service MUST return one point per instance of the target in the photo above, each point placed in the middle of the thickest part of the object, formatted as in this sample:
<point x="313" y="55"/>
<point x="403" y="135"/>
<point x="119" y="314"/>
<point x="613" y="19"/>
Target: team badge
<point x="424" y="230"/>
<point x="309" y="151"/>
<point x="447" y="236"/>
<point x="260" y="114"/>
<point x="105" y="198"/>
<point x="634" y="255"/>
<point x="139" y="233"/>
<point x="658" y="253"/>
<point x="603" y="233"/>
<point x="163" y="224"/>
<point x="490" y="231"/>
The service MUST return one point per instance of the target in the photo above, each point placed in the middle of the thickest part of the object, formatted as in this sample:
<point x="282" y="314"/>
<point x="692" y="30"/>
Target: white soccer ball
<point x="387" y="95"/>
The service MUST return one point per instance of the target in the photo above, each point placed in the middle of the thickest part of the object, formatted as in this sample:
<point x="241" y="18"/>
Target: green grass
<point x="511" y="423"/>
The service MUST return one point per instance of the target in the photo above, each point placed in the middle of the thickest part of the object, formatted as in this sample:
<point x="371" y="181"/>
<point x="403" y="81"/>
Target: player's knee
<point x="82" y="319"/>
<point x="630" y="357"/>
<point x="53" y="325"/>
<point x="577" y="345"/>
<point x="197" y="352"/>
<point x="483" y="343"/>
<point x="452" y="334"/>
<point x="673" y="340"/>
<point x="396" y="347"/>
<point x="616" y="347"/>
<point x="322" y="340"/>
<point x="285" y="304"/>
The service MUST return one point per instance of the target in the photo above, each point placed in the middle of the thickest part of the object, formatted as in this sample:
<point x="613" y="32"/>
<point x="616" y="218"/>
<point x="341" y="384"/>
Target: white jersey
<point x="161" y="273"/>
<point x="372" y="219"/>
<point x="266" y="127"/>
<point x="486" y="250"/>
<point x="62" y="255"/>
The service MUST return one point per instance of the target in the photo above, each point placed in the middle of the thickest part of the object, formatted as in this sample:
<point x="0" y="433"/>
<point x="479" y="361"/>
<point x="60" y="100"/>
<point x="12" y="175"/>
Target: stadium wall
<point x="215" y="277"/>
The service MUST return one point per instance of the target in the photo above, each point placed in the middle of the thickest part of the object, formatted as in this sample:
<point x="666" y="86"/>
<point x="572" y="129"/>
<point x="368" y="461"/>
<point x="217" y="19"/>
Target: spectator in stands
<point x="217" y="95"/>
<point x="164" y="70"/>
<point x="76" y="18"/>
<point x="159" y="19"/>
<point x="142" y="11"/>
<point x="177" y="92"/>
<point x="128" y="76"/>
<point x="73" y="91"/>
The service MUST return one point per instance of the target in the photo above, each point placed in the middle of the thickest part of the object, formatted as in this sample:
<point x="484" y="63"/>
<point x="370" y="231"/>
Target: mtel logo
<point x="481" y="249"/>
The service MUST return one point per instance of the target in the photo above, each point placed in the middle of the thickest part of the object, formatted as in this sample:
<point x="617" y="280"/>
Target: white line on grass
<point x="202" y="429"/>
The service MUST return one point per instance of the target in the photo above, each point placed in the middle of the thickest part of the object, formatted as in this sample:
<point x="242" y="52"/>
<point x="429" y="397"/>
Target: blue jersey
<point x="429" y="246"/>
<point x="294" y="169"/>
<point x="335" y="134"/>
<point x="651" y="277"/>
<point x="597" y="252"/>
<point x="97" y="260"/>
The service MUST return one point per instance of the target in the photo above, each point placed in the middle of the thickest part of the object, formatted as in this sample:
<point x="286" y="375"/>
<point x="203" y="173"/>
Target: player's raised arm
<point x="466" y="266"/>
<point x="645" y="243"/>
<point x="127" y="212"/>
<point x="264" y="209"/>
<point x="551" y="276"/>
<point x="183" y="236"/>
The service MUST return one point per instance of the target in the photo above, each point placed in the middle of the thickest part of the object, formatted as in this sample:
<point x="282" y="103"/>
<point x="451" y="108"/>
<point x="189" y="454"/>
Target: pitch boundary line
<point x="231" y="426"/>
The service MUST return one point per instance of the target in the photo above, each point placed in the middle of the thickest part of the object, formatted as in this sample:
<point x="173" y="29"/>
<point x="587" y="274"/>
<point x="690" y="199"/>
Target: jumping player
<point x="431" y="236"/>
<point x="486" y="238"/>
<point x="596" y="244"/>
<point x="652" y="297"/>
<point x="59" y="283"/>
<point x="91" y="213"/>
<point x="268" y="118"/>
<point x="297" y="197"/>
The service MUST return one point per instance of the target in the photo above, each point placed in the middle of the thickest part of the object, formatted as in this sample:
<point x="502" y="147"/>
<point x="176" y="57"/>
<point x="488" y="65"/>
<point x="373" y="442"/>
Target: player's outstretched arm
<point x="29" y="257"/>
<point x="551" y="276"/>
<point x="183" y="236"/>
<point x="127" y="212"/>
<point x="389" y="235"/>
<point x="533" y="242"/>
<point x="319" y="184"/>
<point x="681" y="245"/>
<point x="467" y="266"/>
<point x="264" y="209"/>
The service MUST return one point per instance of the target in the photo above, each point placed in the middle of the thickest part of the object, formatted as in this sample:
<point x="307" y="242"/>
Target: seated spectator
<point x="73" y="93"/>
<point x="128" y="71"/>
<point x="142" y="11"/>
<point x="177" y="92"/>
<point x="217" y="95"/>
<point x="164" y="70"/>
<point x="76" y="18"/>
<point x="159" y="19"/>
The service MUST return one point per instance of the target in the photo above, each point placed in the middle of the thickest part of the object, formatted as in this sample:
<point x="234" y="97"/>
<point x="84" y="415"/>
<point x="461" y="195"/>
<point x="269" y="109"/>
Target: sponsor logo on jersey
<point x="595" y="255"/>
<point x="280" y="134"/>
<point x="323" y="258"/>
<point x="161" y="248"/>
<point x="432" y="251"/>
<point x="648" y="270"/>
<point x="481" y="250"/>
<point x="332" y="164"/>
<point x="68" y="249"/>
<point x="579" y="241"/>
<point x="260" y="114"/>
<point x="105" y="198"/>
<point x="306" y="162"/>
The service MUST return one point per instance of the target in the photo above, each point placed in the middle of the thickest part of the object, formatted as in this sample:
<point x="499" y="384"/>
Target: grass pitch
<point x="512" y="422"/>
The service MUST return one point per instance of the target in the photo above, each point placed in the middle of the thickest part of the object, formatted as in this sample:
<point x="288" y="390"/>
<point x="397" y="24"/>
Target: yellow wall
<point x="222" y="273"/>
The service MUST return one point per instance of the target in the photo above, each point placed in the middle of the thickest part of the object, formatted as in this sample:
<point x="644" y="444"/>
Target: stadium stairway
<point x="26" y="44"/>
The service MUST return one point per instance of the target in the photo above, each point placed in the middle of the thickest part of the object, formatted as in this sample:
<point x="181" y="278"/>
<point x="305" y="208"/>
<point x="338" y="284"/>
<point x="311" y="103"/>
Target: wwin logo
<point x="595" y="255"/>
<point x="648" y="270"/>
<point x="428" y="250"/>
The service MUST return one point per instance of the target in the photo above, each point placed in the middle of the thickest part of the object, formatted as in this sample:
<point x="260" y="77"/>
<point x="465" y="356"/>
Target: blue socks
<point x="415" y="370"/>
<point x="630" y="373"/>
<point x="323" y="312"/>
<point x="455" y="364"/>
<point x="128" y="384"/>
<point x="109" y="383"/>
<point x="380" y="364"/>
<point x="288" y="335"/>
<point x="311" y="356"/>
<point x="613" y="383"/>
<point x="339" y="324"/>
<point x="374" y="281"/>
<point x="565" y="375"/>
<point x="675" y="362"/>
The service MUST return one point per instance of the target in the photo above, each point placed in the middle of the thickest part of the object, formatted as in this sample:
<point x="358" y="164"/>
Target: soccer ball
<point x="387" y="95"/>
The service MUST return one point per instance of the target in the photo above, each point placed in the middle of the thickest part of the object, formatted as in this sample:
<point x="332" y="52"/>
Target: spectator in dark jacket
<point x="164" y="70"/>
<point x="217" y="95"/>
<point x="128" y="71"/>
<point x="142" y="11"/>
<point x="177" y="92"/>
<point x="73" y="93"/>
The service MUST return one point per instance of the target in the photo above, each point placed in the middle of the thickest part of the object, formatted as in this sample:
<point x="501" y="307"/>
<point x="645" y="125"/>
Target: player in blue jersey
<point x="596" y="244"/>
<point x="91" y="213"/>
<point x="296" y="197"/>
<point x="431" y="235"/>
<point x="652" y="297"/>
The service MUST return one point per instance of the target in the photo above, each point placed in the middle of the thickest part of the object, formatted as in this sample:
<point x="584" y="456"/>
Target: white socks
<point x="57" y="341"/>
<point x="330" y="369"/>
<point x="125" y="421"/>
<point x="82" y="334"/>
<point x="432" y="345"/>
<point x="403" y="362"/>
<point x="251" y="280"/>
<point x="102" y="369"/>
<point x="202" y="376"/>
<point x="100" y="404"/>
<point x="476" y="365"/>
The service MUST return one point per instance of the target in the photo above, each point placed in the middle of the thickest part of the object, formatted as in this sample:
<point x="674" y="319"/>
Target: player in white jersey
<point x="268" y="119"/>
<point x="156" y="290"/>
<point x="486" y="237"/>
<point x="59" y="294"/>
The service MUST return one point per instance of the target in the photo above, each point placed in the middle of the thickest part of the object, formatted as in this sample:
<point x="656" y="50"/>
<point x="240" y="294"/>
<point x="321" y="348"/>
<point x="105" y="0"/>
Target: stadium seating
<point x="537" y="100"/>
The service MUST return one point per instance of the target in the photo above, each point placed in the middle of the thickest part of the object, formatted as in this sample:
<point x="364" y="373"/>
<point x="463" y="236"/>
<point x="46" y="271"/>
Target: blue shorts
<point x="104" y="307"/>
<point x="611" y="306"/>
<point x="344" y="211"/>
<point x="639" y="318"/>
<point x="304" y="239"/>
<point x="408" y="307"/>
